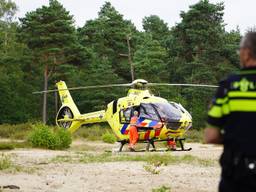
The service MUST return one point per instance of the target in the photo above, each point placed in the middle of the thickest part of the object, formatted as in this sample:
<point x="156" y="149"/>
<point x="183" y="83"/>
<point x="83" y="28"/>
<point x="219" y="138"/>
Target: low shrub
<point x="109" y="137"/>
<point x="64" y="138"/>
<point x="44" y="136"/>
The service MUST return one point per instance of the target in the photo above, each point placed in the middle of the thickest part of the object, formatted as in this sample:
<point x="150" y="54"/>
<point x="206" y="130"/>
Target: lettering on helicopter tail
<point x="63" y="97"/>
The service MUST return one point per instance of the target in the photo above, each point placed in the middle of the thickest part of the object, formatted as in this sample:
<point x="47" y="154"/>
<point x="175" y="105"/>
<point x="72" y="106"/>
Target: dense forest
<point x="45" y="47"/>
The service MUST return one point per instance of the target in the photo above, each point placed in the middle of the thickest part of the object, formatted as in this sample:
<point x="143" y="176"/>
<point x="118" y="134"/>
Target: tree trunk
<point x="45" y="94"/>
<point x="130" y="57"/>
<point x="56" y="101"/>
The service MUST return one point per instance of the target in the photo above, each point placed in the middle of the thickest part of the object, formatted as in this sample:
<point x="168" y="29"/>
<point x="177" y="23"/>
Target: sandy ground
<point x="40" y="173"/>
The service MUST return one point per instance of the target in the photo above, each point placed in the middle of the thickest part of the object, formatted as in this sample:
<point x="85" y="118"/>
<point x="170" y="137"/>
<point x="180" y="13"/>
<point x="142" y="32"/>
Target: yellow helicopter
<point x="159" y="119"/>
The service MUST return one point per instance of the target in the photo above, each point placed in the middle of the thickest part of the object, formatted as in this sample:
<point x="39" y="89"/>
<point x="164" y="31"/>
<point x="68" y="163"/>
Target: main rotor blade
<point x="83" y="87"/>
<point x="184" y="85"/>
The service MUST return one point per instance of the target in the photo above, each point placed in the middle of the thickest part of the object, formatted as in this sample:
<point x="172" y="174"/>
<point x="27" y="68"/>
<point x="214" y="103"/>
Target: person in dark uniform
<point x="232" y="122"/>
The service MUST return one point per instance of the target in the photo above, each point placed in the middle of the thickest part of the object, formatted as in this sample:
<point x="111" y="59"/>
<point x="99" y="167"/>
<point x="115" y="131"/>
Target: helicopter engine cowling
<point x="63" y="116"/>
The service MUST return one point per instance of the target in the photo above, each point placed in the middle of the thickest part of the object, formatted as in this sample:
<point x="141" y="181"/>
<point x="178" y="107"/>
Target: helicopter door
<point x="148" y="117"/>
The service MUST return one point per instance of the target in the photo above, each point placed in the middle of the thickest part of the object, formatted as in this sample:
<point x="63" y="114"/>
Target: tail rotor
<point x="63" y="116"/>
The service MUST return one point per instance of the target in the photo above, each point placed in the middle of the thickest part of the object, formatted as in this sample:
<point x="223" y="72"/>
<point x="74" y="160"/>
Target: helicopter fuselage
<point x="158" y="119"/>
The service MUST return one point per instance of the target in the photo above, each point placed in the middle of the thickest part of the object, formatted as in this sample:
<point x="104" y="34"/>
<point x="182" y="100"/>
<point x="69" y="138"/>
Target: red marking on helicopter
<point x="147" y="134"/>
<point x="143" y="124"/>
<point x="157" y="132"/>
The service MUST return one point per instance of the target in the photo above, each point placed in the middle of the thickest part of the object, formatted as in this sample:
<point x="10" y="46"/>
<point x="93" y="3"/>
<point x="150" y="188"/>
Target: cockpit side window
<point x="126" y="114"/>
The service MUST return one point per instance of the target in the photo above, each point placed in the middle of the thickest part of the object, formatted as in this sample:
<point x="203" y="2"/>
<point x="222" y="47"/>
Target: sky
<point x="239" y="13"/>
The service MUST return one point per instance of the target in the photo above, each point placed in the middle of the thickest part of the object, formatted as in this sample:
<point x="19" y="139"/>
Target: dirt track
<point x="42" y="174"/>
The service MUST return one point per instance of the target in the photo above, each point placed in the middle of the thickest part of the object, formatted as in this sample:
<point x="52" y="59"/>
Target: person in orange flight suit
<point x="134" y="136"/>
<point x="171" y="144"/>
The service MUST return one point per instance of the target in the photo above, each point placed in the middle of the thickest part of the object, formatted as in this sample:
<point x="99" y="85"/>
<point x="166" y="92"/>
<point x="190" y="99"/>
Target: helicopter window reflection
<point x="168" y="111"/>
<point x="147" y="111"/>
<point x="125" y="115"/>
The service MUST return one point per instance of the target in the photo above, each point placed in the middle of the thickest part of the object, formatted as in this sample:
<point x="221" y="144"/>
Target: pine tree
<point x="157" y="28"/>
<point x="196" y="51"/>
<point x="107" y="36"/>
<point x="50" y="33"/>
<point x="149" y="60"/>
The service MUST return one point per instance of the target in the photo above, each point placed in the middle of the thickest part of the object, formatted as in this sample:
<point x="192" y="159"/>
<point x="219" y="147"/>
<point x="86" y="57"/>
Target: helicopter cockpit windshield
<point x="167" y="111"/>
<point x="157" y="111"/>
<point x="148" y="111"/>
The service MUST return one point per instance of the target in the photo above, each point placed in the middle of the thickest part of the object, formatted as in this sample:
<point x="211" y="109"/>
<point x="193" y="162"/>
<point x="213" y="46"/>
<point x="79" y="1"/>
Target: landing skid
<point x="152" y="143"/>
<point x="181" y="140"/>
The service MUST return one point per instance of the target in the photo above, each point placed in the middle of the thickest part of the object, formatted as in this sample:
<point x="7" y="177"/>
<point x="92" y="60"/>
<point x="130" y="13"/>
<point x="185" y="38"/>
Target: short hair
<point x="249" y="41"/>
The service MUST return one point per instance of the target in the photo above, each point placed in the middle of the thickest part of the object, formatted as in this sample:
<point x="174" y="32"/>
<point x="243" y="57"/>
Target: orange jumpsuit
<point x="171" y="144"/>
<point x="134" y="136"/>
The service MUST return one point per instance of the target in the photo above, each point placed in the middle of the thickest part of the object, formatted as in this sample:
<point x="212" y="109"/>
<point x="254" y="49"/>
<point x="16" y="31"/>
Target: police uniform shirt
<point x="233" y="110"/>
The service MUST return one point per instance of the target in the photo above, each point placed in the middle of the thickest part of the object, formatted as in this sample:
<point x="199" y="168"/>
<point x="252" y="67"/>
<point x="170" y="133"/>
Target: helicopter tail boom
<point x="66" y="98"/>
<point x="69" y="116"/>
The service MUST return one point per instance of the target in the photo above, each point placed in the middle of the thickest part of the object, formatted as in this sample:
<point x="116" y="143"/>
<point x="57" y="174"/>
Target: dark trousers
<point x="244" y="184"/>
<point x="236" y="175"/>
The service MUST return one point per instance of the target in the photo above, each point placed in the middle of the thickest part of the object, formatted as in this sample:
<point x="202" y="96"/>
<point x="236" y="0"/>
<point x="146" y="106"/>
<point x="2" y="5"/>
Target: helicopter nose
<point x="189" y="125"/>
<point x="174" y="125"/>
<point x="188" y="122"/>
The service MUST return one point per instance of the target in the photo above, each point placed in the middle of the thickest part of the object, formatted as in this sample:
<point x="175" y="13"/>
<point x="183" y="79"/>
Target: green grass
<point x="7" y="165"/>
<point x="108" y="137"/>
<point x="92" y="132"/>
<point x="162" y="189"/>
<point x="194" y="135"/>
<point x="151" y="168"/>
<point x="5" y="161"/>
<point x="63" y="159"/>
<point x="153" y="159"/>
<point x="9" y="145"/>
<point x="6" y="146"/>
<point x="19" y="131"/>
